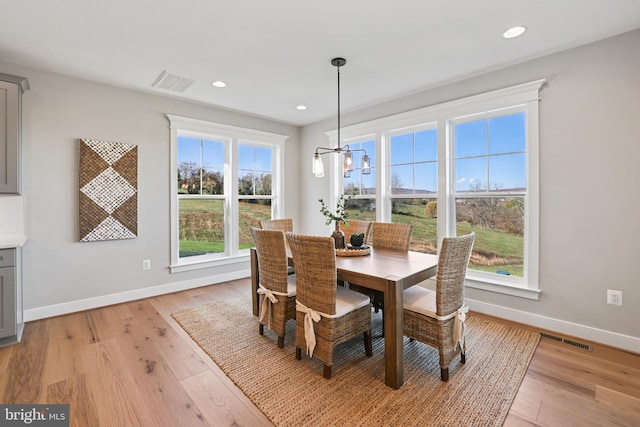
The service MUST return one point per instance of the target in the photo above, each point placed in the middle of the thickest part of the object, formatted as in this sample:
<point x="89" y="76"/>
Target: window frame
<point x="398" y="132"/>
<point x="387" y="215"/>
<point x="523" y="97"/>
<point x="232" y="136"/>
<point x="477" y="277"/>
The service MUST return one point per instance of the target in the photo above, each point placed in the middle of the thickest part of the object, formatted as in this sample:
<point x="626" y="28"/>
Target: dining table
<point x="387" y="271"/>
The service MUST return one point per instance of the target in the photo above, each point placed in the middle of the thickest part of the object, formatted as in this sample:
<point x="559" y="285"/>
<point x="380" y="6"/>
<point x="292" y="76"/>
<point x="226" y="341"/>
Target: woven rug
<point x="293" y="392"/>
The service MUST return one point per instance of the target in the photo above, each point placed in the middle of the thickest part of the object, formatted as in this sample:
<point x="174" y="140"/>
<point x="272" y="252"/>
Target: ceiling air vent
<point x="172" y="82"/>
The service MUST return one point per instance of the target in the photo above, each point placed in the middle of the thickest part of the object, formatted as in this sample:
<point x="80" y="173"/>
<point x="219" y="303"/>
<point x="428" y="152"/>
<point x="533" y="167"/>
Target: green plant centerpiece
<point x="339" y="216"/>
<point x="356" y="240"/>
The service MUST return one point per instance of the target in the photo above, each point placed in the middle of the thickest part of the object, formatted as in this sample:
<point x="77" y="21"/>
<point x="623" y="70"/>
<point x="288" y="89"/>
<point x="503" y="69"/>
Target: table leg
<point x="255" y="279"/>
<point x="393" y="339"/>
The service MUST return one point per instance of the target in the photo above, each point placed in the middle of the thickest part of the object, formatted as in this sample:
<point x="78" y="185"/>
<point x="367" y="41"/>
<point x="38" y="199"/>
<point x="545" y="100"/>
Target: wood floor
<point x="132" y="365"/>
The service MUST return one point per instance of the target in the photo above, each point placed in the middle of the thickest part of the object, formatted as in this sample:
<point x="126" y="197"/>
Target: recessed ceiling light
<point x="301" y="107"/>
<point x="514" y="32"/>
<point x="219" y="83"/>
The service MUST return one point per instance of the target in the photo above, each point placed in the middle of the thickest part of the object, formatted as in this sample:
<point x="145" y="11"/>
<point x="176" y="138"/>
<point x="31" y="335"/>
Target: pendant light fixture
<point x="347" y="164"/>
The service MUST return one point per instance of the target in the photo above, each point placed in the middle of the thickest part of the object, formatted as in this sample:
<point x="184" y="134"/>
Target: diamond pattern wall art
<point x="108" y="190"/>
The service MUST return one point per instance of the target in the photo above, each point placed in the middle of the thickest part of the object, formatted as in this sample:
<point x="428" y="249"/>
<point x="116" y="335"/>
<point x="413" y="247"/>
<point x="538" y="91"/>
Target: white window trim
<point x="525" y="95"/>
<point x="484" y="280"/>
<point x="234" y="136"/>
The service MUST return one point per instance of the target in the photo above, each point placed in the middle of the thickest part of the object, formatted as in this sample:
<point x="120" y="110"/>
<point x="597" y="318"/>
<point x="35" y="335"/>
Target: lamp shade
<point x="366" y="165"/>
<point x="318" y="166"/>
<point x="348" y="161"/>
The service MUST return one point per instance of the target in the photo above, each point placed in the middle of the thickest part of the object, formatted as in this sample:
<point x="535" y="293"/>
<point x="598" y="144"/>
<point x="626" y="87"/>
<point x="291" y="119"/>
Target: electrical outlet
<point x="146" y="264"/>
<point x="614" y="297"/>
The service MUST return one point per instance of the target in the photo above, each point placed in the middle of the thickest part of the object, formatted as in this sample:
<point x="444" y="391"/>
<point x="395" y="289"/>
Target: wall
<point x="589" y="151"/>
<point x="11" y="216"/>
<point x="61" y="274"/>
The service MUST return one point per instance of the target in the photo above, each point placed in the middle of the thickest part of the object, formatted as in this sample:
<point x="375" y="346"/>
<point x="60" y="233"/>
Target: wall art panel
<point x="108" y="176"/>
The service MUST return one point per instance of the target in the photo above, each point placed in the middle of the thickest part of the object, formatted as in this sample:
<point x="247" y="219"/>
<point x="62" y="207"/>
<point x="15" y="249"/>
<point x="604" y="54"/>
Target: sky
<point x="250" y="158"/>
<point x="489" y="151"/>
<point x="486" y="151"/>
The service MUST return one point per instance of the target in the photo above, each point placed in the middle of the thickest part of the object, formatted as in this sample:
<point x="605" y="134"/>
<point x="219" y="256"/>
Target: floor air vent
<point x="572" y="343"/>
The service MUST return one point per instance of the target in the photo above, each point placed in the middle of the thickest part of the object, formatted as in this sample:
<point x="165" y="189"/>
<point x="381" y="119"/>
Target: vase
<point x="338" y="236"/>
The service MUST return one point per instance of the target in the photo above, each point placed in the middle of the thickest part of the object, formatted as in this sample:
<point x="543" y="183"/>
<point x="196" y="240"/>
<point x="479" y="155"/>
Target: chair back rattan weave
<point x="386" y="235"/>
<point x="354" y="227"/>
<point x="272" y="258"/>
<point x="314" y="258"/>
<point x="283" y="224"/>
<point x="452" y="267"/>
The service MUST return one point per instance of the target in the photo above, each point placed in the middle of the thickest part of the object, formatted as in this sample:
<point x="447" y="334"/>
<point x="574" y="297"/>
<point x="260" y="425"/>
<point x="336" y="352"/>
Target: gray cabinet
<point x="11" y="88"/>
<point x="11" y="316"/>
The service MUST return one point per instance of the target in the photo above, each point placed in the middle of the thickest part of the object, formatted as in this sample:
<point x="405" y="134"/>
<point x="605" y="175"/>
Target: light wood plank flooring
<point x="132" y="365"/>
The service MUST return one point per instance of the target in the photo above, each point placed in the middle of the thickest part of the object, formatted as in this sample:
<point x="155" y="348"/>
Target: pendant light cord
<point x="338" y="107"/>
<point x="346" y="150"/>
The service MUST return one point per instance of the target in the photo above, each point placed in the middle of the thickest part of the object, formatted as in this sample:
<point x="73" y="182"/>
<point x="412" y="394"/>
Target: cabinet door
<point x="7" y="301"/>
<point x="9" y="137"/>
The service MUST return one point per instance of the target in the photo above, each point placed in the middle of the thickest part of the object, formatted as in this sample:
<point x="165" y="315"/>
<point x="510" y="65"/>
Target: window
<point x="223" y="183"/>
<point x="361" y="187"/>
<point x="255" y="195"/>
<point x="466" y="165"/>
<point x="201" y="196"/>
<point x="413" y="191"/>
<point x="491" y="189"/>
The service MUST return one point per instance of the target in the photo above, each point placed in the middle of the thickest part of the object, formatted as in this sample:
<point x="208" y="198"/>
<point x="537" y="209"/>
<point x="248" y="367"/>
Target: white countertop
<point x="12" y="241"/>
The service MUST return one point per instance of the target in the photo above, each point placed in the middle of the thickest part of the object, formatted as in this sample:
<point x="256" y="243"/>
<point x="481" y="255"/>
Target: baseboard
<point x="609" y="338"/>
<point x="612" y="339"/>
<point x="105" y="300"/>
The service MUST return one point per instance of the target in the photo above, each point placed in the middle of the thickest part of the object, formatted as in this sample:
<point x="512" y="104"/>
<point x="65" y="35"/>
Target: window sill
<point x="208" y="263"/>
<point x="503" y="288"/>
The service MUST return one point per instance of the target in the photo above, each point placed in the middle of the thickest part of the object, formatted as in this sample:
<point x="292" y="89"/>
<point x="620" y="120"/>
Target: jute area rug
<point x="293" y="392"/>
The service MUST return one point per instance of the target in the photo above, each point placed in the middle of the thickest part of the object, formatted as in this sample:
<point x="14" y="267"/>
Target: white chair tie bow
<point x="459" y="328"/>
<point x="267" y="302"/>
<point x="310" y="316"/>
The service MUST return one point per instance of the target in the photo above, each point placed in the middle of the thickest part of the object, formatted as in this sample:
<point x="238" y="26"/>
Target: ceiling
<point x="275" y="55"/>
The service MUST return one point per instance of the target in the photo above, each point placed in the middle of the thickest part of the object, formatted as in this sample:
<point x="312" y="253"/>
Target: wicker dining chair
<point x="277" y="288"/>
<point x="385" y="235"/>
<point x="438" y="318"/>
<point x="327" y="315"/>
<point x="283" y="224"/>
<point x="356" y="226"/>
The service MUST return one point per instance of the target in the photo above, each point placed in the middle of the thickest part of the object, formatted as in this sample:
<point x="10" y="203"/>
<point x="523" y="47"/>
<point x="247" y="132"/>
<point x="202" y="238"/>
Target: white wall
<point x="61" y="274"/>
<point x="589" y="154"/>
